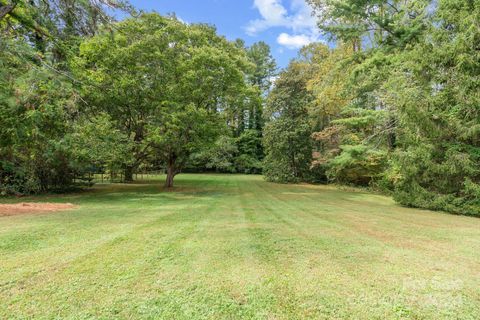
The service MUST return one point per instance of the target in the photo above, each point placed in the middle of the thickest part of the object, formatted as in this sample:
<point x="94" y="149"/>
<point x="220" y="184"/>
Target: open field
<point x="223" y="246"/>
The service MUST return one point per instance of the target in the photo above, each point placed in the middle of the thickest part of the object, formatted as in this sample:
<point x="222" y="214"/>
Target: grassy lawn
<point x="230" y="247"/>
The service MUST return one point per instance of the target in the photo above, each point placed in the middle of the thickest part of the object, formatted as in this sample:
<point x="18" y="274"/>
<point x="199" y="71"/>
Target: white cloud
<point x="294" y="41"/>
<point x="274" y="14"/>
<point x="303" y="15"/>
<point x="272" y="11"/>
<point x="298" y="19"/>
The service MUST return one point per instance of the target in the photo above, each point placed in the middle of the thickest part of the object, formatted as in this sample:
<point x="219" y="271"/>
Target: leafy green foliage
<point x="288" y="150"/>
<point x="357" y="164"/>
<point x="43" y="145"/>
<point x="250" y="148"/>
<point x="97" y="143"/>
<point x="229" y="154"/>
<point x="435" y="90"/>
<point x="394" y="104"/>
<point x="287" y="133"/>
<point x="164" y="83"/>
<point x="413" y="100"/>
<point x="222" y="157"/>
<point x="36" y="109"/>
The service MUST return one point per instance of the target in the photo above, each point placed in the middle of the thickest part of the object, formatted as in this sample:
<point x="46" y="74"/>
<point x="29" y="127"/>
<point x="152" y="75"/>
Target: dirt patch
<point x="33" y="208"/>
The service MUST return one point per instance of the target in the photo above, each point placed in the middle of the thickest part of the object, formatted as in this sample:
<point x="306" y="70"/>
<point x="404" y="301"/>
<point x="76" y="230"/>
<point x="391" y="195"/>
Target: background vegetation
<point x="391" y="103"/>
<point x="81" y="94"/>
<point x="394" y="105"/>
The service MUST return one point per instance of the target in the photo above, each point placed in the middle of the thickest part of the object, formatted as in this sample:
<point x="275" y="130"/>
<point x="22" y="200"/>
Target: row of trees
<point x="38" y="103"/>
<point x="80" y="93"/>
<point x="395" y="104"/>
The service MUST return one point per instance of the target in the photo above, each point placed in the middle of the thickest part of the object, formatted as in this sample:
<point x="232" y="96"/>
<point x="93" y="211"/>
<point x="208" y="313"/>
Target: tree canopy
<point x="165" y="83"/>
<point x="395" y="102"/>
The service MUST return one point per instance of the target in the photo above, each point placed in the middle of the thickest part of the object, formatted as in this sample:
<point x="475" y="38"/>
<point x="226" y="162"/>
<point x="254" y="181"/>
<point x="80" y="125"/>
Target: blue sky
<point x="286" y="25"/>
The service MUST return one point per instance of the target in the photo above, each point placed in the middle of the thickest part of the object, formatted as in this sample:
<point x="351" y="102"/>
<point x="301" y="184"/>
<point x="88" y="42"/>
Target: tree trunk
<point x="129" y="174"/>
<point x="392" y="136"/>
<point x="171" y="172"/>
<point x="170" y="176"/>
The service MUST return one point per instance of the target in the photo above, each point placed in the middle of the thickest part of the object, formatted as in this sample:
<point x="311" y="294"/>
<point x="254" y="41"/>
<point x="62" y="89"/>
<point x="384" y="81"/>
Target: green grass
<point x="232" y="247"/>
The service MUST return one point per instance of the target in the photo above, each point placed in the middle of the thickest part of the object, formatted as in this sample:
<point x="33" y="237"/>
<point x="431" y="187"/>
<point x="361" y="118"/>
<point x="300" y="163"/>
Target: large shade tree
<point x="164" y="82"/>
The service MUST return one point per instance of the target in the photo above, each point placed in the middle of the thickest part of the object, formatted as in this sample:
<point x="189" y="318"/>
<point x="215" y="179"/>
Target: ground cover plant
<point x="235" y="246"/>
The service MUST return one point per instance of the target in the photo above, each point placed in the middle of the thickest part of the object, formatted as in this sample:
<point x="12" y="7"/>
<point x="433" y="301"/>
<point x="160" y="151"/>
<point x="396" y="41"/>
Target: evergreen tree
<point x="287" y="132"/>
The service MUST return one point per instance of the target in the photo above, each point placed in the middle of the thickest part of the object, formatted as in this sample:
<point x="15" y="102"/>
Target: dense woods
<point x="82" y="94"/>
<point x="394" y="105"/>
<point x="392" y="102"/>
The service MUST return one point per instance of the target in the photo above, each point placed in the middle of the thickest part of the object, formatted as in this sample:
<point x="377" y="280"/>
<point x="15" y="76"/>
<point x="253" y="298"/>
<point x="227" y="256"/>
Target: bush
<point x="424" y="179"/>
<point x="357" y="165"/>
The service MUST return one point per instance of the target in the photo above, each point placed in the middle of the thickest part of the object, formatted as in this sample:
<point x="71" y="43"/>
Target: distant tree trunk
<point x="392" y="135"/>
<point x="129" y="174"/>
<point x="171" y="171"/>
<point x="241" y="123"/>
<point x="357" y="45"/>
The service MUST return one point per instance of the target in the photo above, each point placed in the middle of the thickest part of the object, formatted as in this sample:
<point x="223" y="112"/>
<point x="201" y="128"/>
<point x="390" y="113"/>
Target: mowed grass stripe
<point x="233" y="246"/>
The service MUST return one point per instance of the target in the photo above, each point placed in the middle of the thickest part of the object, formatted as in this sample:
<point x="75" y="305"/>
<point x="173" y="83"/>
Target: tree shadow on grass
<point x="185" y="189"/>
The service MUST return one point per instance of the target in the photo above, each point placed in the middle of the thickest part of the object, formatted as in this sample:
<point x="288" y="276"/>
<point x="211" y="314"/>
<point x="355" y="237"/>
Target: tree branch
<point x="6" y="9"/>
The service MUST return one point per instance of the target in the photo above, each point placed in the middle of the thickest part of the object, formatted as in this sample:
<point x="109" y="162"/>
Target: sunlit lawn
<point x="230" y="247"/>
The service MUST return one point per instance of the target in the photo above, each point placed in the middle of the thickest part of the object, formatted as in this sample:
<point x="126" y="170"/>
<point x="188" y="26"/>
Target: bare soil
<point x="33" y="208"/>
